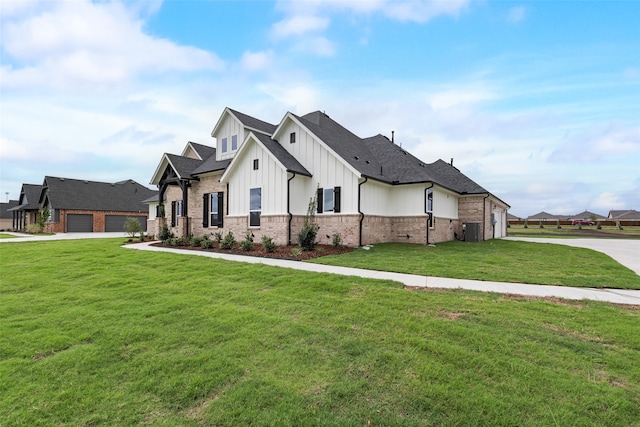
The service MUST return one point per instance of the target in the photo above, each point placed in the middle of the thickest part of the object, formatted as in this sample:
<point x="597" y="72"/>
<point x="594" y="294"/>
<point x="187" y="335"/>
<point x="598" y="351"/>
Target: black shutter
<point x="173" y="214"/>
<point x="319" y="200"/>
<point x="205" y="210"/>
<point x="220" y="209"/>
<point x="336" y="199"/>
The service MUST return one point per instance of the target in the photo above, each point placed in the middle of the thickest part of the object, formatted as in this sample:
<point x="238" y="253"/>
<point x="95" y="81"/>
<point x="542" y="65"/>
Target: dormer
<point x="232" y="129"/>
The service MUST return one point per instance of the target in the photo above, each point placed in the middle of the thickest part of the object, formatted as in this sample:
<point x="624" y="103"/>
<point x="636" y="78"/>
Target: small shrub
<point x="336" y="240"/>
<point x="247" y="243"/>
<point x="217" y="236"/>
<point x="619" y="225"/>
<point x="171" y="241"/>
<point x="195" y="242"/>
<point x="34" y="228"/>
<point x="558" y="225"/>
<point x="296" y="252"/>
<point x="579" y="226"/>
<point x="268" y="244"/>
<point x="206" y="243"/>
<point x="142" y="236"/>
<point x="183" y="241"/>
<point x="541" y="225"/>
<point x="526" y="225"/>
<point x="599" y="226"/>
<point x="309" y="231"/>
<point x="132" y="226"/>
<point x="165" y="234"/>
<point x="228" y="241"/>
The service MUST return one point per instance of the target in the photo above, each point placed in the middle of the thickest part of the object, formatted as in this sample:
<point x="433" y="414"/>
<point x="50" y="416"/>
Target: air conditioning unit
<point x="471" y="231"/>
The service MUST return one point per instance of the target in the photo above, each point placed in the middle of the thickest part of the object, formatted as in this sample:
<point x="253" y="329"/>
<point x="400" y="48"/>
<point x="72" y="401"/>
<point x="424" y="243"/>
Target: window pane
<point x="255" y="202"/>
<point x="214" y="209"/>
<point x="328" y="200"/>
<point x="234" y="142"/>
<point x="254" y="219"/>
<point x="224" y="145"/>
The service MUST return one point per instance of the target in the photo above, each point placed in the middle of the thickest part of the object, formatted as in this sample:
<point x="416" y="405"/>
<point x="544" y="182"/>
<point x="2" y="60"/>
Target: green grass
<point x="495" y="260"/>
<point x="571" y="231"/>
<point x="6" y="236"/>
<point x="95" y="334"/>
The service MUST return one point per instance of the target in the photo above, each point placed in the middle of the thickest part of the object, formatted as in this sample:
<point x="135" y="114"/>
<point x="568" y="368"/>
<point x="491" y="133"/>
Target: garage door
<point x="79" y="223"/>
<point x="115" y="223"/>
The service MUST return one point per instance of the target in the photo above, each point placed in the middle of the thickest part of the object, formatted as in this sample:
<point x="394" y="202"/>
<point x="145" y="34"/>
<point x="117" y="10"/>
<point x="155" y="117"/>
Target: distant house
<point x="587" y="216"/>
<point x="631" y="215"/>
<point x="544" y="217"/>
<point x="260" y="177"/>
<point x="89" y="206"/>
<point x="27" y="209"/>
<point x="6" y="216"/>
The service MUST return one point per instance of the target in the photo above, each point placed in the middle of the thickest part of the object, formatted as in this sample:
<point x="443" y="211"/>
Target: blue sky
<point x="537" y="101"/>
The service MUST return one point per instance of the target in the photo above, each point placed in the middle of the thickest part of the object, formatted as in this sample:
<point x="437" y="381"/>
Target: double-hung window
<point x="213" y="209"/>
<point x="255" y="206"/>
<point x="328" y="200"/>
<point x="224" y="145"/>
<point x="429" y="205"/>
<point x="234" y="142"/>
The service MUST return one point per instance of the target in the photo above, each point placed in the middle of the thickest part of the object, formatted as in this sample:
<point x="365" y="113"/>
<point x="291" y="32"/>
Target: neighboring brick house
<point x="26" y="211"/>
<point x="261" y="177"/>
<point x="6" y="216"/>
<point x="89" y="206"/>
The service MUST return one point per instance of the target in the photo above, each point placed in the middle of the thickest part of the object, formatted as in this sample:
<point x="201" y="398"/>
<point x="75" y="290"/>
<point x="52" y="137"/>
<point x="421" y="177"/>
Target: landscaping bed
<point x="281" y="252"/>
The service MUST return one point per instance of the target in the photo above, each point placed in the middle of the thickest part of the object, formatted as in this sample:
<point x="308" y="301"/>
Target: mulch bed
<point x="281" y="252"/>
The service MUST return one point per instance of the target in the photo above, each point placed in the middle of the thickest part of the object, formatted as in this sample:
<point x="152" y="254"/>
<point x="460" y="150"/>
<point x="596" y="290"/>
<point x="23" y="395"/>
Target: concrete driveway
<point x="625" y="251"/>
<point x="23" y="237"/>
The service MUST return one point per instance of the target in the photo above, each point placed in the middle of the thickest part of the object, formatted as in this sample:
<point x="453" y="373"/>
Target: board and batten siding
<point x="327" y="170"/>
<point x="228" y="128"/>
<point x="270" y="177"/>
<point x="406" y="200"/>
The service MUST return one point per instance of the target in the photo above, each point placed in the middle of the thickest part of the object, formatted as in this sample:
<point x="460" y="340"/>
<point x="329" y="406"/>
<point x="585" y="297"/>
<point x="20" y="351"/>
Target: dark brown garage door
<point x="115" y="223"/>
<point x="79" y="223"/>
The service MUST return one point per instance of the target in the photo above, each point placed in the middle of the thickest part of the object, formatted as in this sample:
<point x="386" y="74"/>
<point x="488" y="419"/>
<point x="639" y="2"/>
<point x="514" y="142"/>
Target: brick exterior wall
<point x="99" y="219"/>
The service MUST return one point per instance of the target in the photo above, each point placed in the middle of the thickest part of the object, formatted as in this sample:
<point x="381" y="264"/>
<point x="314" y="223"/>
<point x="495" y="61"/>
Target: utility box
<point x="471" y="231"/>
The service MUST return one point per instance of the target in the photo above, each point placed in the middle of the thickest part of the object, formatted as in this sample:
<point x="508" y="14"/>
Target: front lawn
<point x="495" y="260"/>
<point x="95" y="334"/>
<point x="6" y="236"/>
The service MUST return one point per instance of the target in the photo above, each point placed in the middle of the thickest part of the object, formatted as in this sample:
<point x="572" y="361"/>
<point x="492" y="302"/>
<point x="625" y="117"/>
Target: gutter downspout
<point x="425" y="211"/>
<point x="360" y="211"/>
<point x="484" y="215"/>
<point x="289" y="207"/>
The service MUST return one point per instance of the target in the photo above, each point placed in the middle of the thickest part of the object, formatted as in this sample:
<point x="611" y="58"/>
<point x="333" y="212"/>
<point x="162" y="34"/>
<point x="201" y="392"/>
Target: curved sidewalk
<point x="618" y="296"/>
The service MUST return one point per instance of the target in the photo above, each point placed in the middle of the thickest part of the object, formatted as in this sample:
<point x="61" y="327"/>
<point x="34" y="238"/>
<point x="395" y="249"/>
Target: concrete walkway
<point x="623" y="251"/>
<point x="618" y="296"/>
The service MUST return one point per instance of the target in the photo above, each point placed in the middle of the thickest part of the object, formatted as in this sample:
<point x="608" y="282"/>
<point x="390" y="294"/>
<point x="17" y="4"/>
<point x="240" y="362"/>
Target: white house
<point x="262" y="177"/>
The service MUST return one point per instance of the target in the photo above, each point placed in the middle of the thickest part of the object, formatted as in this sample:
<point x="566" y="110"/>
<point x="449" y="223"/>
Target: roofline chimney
<point x="393" y="132"/>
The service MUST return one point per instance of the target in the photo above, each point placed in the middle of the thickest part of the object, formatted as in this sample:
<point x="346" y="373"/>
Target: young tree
<point x="132" y="226"/>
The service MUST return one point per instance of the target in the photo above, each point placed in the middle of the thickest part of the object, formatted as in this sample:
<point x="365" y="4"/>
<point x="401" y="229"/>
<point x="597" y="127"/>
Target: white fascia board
<point x="329" y="149"/>
<point x="221" y="119"/>
<point x="186" y="148"/>
<point x="164" y="162"/>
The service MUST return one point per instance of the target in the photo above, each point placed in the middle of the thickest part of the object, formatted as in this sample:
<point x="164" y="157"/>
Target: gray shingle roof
<point x="210" y="164"/>
<point x="29" y="197"/>
<point x="204" y="151"/>
<point x="4" y="208"/>
<point x="254" y="124"/>
<point x="124" y="196"/>
<point x="183" y="166"/>
<point x="380" y="159"/>
<point x="289" y="162"/>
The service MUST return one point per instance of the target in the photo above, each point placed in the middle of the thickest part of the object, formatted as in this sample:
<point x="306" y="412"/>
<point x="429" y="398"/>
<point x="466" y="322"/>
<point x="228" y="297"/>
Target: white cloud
<point x="298" y="25"/>
<point x="423" y="10"/>
<point x="72" y="43"/>
<point x="256" y="61"/>
<point x="613" y="139"/>
<point x="607" y="201"/>
<point x="516" y="14"/>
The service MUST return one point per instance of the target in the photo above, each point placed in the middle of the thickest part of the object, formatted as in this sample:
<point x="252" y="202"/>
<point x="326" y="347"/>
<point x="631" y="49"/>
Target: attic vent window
<point x="255" y="164"/>
<point x="292" y="137"/>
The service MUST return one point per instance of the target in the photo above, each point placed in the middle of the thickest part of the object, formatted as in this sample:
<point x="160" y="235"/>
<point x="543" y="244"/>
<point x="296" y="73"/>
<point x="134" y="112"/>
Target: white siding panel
<point x="445" y="204"/>
<point x="228" y="128"/>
